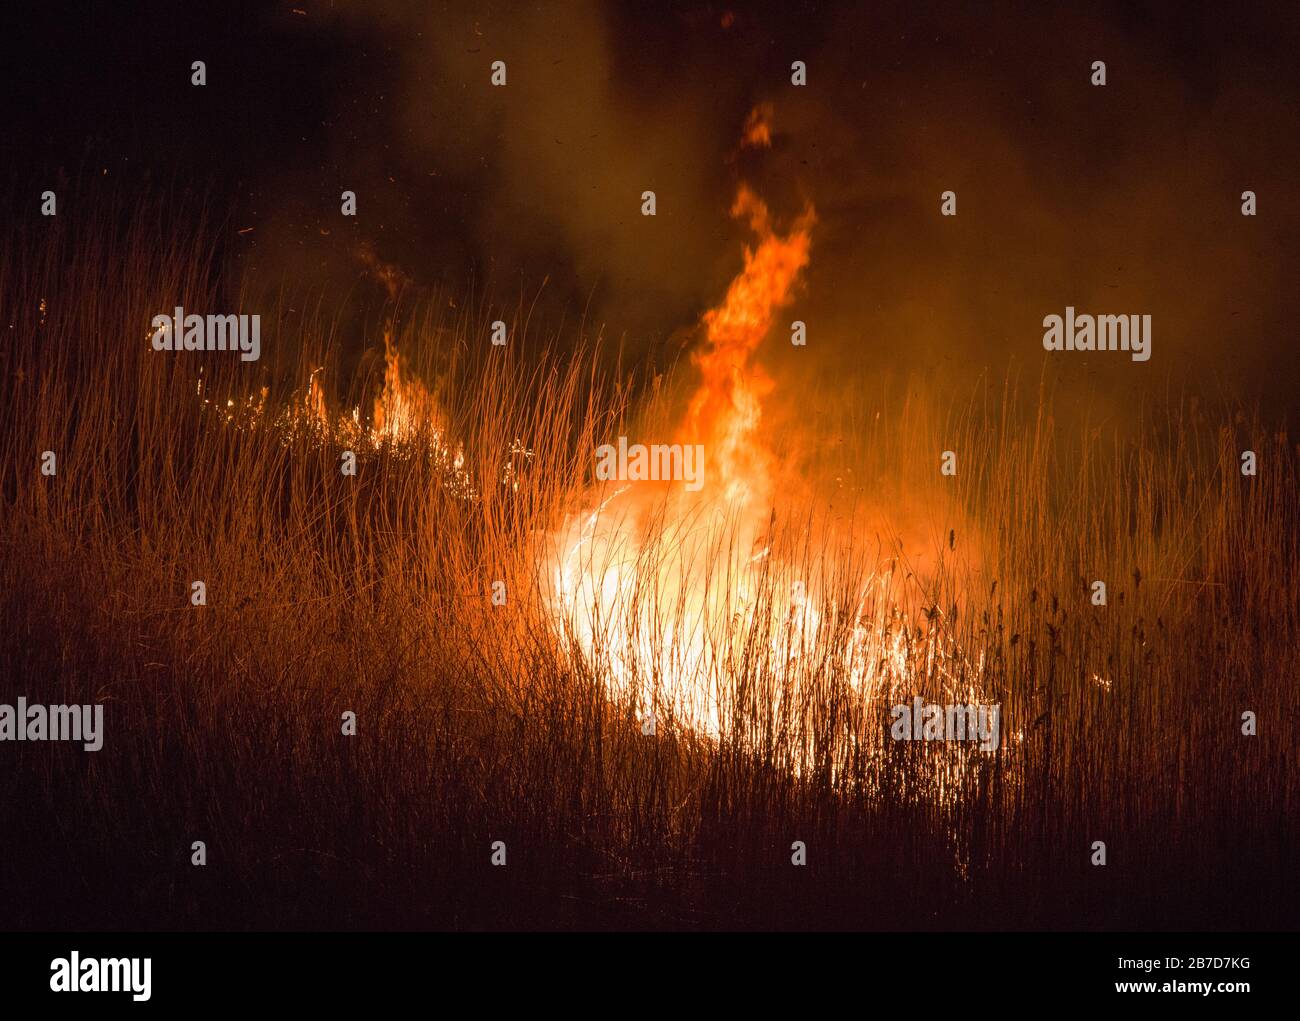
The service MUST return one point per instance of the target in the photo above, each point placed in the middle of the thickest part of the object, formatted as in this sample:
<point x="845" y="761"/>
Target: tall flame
<point x="650" y="587"/>
<point x="726" y="411"/>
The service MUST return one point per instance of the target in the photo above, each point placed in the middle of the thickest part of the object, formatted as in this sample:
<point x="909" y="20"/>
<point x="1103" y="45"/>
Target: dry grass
<point x="328" y="594"/>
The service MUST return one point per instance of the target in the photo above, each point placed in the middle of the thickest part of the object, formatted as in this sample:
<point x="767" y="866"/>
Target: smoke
<point x="1117" y="199"/>
<point x="542" y="179"/>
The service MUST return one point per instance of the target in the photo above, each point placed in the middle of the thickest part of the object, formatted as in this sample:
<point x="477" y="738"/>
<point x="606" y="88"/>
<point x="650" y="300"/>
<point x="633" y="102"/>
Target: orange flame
<point x="652" y="595"/>
<point x="404" y="406"/>
<point x="726" y="411"/>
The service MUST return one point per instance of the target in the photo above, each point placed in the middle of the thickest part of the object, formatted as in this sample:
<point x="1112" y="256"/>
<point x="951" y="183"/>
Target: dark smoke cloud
<point x="1118" y="199"/>
<point x="542" y="179"/>
<point x="1115" y="200"/>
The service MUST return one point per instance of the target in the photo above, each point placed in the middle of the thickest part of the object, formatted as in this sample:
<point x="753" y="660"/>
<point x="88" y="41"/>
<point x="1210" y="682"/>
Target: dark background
<point x="1122" y="199"/>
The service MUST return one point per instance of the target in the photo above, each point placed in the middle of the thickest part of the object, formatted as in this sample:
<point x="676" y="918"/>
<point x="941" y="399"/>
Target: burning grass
<point x="768" y="624"/>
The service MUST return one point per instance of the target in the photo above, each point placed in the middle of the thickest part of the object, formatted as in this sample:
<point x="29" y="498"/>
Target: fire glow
<point x="693" y="599"/>
<point x="695" y="606"/>
<point x="699" y="553"/>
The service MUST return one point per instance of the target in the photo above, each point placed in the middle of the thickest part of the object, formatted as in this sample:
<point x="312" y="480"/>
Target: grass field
<point x="523" y="722"/>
